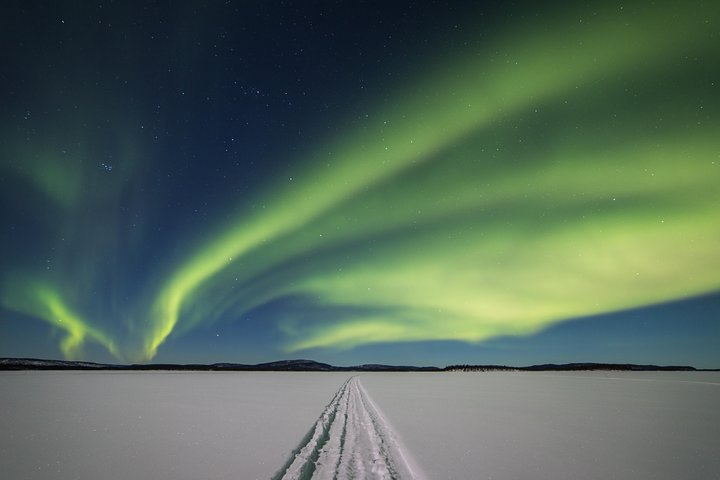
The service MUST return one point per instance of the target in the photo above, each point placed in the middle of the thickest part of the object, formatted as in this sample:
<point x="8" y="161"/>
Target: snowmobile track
<point x="350" y="440"/>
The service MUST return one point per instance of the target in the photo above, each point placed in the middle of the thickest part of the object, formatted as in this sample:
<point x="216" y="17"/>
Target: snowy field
<point x="554" y="426"/>
<point x="246" y="425"/>
<point x="154" y="425"/>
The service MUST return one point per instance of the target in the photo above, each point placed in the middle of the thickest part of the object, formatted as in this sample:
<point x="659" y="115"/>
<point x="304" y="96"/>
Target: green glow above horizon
<point x="499" y="192"/>
<point x="46" y="303"/>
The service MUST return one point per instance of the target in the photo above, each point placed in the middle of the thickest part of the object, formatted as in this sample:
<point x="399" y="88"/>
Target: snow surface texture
<point x="244" y="425"/>
<point x="350" y="440"/>
<point x="155" y="425"/>
<point x="556" y="426"/>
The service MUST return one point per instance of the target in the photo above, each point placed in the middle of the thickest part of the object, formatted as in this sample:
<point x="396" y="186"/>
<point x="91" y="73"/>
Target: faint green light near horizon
<point x="45" y="302"/>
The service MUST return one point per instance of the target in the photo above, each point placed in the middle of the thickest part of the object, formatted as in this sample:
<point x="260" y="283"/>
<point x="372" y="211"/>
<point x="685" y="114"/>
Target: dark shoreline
<point x="312" y="366"/>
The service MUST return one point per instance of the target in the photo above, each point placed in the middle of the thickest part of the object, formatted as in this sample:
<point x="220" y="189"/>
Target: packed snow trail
<point x="350" y="440"/>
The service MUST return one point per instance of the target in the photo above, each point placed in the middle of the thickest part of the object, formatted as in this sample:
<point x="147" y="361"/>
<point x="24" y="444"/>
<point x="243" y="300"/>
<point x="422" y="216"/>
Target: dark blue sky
<point x="397" y="182"/>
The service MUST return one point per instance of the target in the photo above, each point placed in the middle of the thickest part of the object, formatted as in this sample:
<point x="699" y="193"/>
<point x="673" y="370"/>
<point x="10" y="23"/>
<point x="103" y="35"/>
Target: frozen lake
<point x="585" y="425"/>
<point x="155" y="425"/>
<point x="90" y="425"/>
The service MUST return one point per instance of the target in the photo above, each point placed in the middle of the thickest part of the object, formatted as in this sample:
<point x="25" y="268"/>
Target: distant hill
<point x="301" y="365"/>
<point x="278" y="366"/>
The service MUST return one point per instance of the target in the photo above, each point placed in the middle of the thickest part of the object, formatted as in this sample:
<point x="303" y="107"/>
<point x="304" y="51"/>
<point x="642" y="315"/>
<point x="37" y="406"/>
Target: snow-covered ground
<point x="154" y="425"/>
<point x="554" y="426"/>
<point x="246" y="425"/>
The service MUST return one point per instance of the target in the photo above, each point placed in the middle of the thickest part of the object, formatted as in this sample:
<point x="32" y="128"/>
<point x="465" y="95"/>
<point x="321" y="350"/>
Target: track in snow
<point x="350" y="440"/>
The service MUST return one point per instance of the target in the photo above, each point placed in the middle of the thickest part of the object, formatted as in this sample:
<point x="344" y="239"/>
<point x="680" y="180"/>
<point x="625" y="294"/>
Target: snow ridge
<point x="351" y="439"/>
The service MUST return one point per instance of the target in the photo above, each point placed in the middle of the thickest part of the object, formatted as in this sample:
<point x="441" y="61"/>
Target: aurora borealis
<point x="248" y="181"/>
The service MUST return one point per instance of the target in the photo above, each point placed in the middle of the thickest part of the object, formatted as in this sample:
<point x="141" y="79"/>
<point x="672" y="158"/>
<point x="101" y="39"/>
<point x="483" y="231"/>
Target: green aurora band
<point x="507" y="191"/>
<point x="44" y="302"/>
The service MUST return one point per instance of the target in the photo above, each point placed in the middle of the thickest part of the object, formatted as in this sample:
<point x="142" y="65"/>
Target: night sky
<point x="353" y="182"/>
